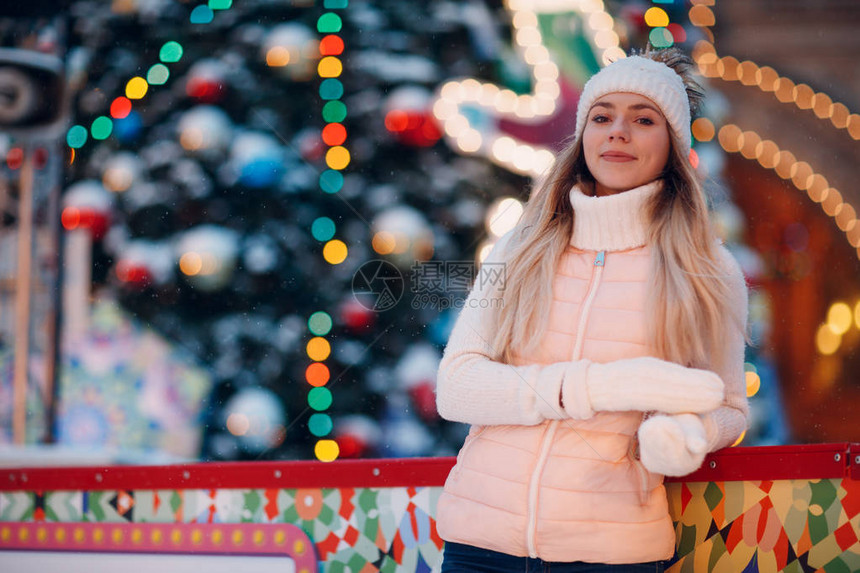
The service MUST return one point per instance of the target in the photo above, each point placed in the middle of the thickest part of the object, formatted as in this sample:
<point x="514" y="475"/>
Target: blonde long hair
<point x="690" y="292"/>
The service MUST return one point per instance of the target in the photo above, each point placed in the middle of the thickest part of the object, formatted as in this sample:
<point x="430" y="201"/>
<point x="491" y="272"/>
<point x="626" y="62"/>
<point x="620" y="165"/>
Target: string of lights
<point x="335" y="251"/>
<point x="137" y="87"/>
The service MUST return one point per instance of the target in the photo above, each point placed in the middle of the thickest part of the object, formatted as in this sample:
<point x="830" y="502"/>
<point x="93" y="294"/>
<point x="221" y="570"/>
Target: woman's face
<point x="626" y="142"/>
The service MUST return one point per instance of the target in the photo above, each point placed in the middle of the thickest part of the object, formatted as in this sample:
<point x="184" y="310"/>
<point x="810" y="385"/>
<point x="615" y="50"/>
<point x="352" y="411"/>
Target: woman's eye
<point x="600" y="119"/>
<point x="645" y="121"/>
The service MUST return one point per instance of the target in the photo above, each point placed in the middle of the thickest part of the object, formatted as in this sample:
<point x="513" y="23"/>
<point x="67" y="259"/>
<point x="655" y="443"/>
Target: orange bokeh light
<point x="331" y="46"/>
<point x="334" y="134"/>
<point x="317" y="374"/>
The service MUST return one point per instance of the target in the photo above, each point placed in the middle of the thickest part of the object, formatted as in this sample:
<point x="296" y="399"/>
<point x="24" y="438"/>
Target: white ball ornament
<point x="256" y="417"/>
<point x="207" y="256"/>
<point x="205" y="130"/>
<point x="403" y="235"/>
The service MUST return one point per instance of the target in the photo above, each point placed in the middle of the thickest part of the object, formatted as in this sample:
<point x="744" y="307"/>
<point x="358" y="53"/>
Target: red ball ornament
<point x="423" y="397"/>
<point x="96" y="221"/>
<point x="133" y="275"/>
<point x="351" y="446"/>
<point x="415" y="128"/>
<point x="356" y="316"/>
<point x="205" y="90"/>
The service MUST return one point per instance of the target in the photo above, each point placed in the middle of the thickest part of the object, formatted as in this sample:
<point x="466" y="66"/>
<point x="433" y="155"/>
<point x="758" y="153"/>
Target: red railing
<point x="839" y="460"/>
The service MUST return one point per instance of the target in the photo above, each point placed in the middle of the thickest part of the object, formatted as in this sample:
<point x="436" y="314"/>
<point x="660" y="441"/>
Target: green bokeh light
<point x="331" y="181"/>
<point x="661" y="38"/>
<point x="319" y="398"/>
<point x="334" y="112"/>
<point x="201" y="15"/>
<point x="102" y="127"/>
<point x="329" y="23"/>
<point x="331" y="89"/>
<point x="220" y="4"/>
<point x="335" y="4"/>
<point x="320" y="323"/>
<point x="320" y="425"/>
<point x="157" y="74"/>
<point x="170" y="52"/>
<point x="76" y="137"/>
<point x="323" y="228"/>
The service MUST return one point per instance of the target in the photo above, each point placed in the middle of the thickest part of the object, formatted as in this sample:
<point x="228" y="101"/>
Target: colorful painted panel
<point x="738" y="526"/>
<point x="785" y="525"/>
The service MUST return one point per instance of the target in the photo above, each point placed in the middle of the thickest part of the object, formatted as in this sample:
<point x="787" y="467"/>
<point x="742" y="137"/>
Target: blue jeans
<point x="459" y="558"/>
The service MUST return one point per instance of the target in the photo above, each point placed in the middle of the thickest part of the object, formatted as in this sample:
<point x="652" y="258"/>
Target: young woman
<point x="617" y="354"/>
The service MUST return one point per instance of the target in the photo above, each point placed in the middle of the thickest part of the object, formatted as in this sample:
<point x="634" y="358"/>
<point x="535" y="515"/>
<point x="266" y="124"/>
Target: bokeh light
<point x="661" y="38"/>
<point x="101" y="128"/>
<point x="190" y="264"/>
<point x="656" y="17"/>
<point x="329" y="67"/>
<point x="76" y="137"/>
<point x="319" y="398"/>
<point x="337" y="157"/>
<point x="158" y="75"/>
<point x="277" y="57"/>
<point x="383" y="242"/>
<point x="329" y="23"/>
<point x="503" y="215"/>
<point x="331" y="88"/>
<point x="120" y="107"/>
<point x="326" y="450"/>
<point x="201" y="15"/>
<point x="320" y="424"/>
<point x="334" y="134"/>
<point x="331" y="181"/>
<point x="331" y="46"/>
<point x="317" y="374"/>
<point x="703" y="129"/>
<point x="334" y="111"/>
<point x="839" y="317"/>
<point x="136" y="88"/>
<point x="320" y="322"/>
<point x="323" y="229"/>
<point x="171" y="52"/>
<point x="318" y="348"/>
<point x="753" y="383"/>
<point x="826" y="340"/>
<point x="335" y="252"/>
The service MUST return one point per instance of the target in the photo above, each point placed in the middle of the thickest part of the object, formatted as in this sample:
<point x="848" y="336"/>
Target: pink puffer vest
<point x="568" y="490"/>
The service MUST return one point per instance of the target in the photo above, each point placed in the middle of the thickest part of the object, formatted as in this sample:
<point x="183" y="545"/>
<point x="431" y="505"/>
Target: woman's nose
<point x="618" y="129"/>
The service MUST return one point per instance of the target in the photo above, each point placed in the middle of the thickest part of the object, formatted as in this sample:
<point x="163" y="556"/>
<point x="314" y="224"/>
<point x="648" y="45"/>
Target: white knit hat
<point x="644" y="76"/>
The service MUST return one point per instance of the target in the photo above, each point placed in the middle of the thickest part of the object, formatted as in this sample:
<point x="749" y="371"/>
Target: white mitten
<point x="643" y="384"/>
<point x="672" y="445"/>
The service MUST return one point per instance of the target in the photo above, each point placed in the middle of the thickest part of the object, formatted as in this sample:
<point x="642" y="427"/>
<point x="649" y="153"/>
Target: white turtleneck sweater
<point x="614" y="222"/>
<point x="474" y="389"/>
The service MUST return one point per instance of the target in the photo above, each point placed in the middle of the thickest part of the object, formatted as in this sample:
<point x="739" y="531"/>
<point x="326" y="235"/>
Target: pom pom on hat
<point x="644" y="76"/>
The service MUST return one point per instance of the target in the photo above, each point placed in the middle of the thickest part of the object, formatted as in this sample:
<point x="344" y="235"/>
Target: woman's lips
<point x="617" y="156"/>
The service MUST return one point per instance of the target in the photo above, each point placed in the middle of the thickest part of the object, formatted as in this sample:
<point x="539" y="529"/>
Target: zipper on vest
<point x="599" y="262"/>
<point x="534" y="488"/>
<point x="546" y="441"/>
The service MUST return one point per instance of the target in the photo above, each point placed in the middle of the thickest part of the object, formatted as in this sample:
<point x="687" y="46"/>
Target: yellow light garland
<point x="803" y="176"/>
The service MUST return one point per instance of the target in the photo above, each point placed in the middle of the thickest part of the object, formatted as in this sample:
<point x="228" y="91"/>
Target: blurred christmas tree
<point x="210" y="201"/>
